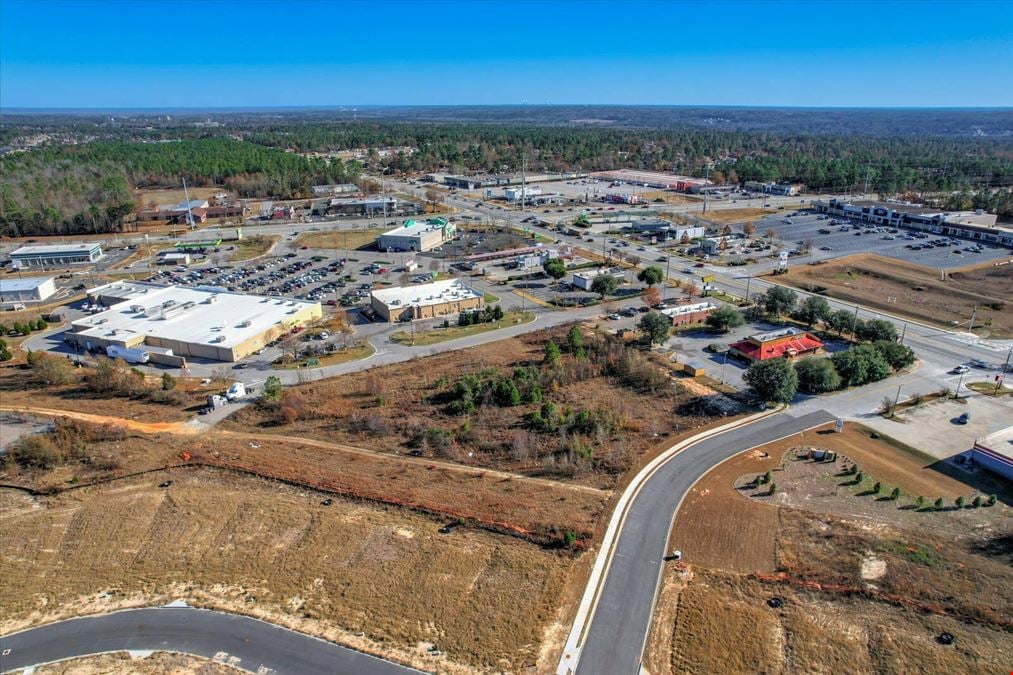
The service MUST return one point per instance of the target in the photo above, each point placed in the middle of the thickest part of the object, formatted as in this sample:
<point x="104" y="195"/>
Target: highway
<point x="613" y="640"/>
<point x="240" y="641"/>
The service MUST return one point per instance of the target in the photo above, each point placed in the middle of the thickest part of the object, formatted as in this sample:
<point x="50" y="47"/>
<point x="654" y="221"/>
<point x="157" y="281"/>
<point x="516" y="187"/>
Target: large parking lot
<point x="845" y="238"/>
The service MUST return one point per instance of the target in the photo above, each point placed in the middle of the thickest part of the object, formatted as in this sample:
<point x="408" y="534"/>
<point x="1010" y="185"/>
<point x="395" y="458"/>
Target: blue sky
<point x="139" y="53"/>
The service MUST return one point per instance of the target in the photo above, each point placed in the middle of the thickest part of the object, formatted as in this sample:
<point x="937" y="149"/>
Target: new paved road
<point x="246" y="643"/>
<point x="615" y="640"/>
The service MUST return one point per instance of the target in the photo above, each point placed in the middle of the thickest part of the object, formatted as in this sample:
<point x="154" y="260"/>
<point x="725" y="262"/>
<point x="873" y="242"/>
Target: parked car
<point x="964" y="418"/>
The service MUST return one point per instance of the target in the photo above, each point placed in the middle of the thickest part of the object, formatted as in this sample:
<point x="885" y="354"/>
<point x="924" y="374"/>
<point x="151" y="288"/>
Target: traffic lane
<point x="615" y="641"/>
<point x="205" y="633"/>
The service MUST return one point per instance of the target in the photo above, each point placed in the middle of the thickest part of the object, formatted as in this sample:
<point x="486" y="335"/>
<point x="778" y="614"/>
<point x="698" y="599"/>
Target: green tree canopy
<point x="656" y="326"/>
<point x="651" y="275"/>
<point x="555" y="268"/>
<point x="779" y="301"/>
<point x="817" y="375"/>
<point x="773" y="380"/>
<point x="725" y="318"/>
<point x="604" y="284"/>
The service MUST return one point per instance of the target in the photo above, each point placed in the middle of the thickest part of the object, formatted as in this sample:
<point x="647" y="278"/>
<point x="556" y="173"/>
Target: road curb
<point x="585" y="612"/>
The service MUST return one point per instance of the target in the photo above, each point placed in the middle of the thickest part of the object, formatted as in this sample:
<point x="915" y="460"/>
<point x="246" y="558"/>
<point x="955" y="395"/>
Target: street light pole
<point x="896" y="400"/>
<point x="1002" y="376"/>
<point x="956" y="393"/>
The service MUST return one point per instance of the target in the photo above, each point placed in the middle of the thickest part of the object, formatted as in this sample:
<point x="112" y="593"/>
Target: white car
<point x="959" y="370"/>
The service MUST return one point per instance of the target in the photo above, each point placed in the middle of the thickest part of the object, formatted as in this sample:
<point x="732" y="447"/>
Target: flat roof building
<point x="976" y="225"/>
<point x="585" y="278"/>
<point x="688" y="314"/>
<point x="56" y="256"/>
<point x="200" y="322"/>
<point x="995" y="452"/>
<point x="655" y="179"/>
<point x="31" y="289"/>
<point x="424" y="301"/>
<point x="417" y="236"/>
<point x="787" y="342"/>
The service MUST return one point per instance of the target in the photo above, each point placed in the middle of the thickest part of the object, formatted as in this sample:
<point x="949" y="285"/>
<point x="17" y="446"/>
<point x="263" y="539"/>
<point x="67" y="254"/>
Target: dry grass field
<point x="377" y="578"/>
<point x="867" y="582"/>
<point x="731" y="216"/>
<point x="911" y="290"/>
<point x="253" y="247"/>
<point x="542" y="511"/>
<point x="404" y="408"/>
<point x="346" y="240"/>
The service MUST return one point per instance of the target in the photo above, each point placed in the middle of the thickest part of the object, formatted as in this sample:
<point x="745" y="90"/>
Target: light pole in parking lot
<point x="956" y="392"/>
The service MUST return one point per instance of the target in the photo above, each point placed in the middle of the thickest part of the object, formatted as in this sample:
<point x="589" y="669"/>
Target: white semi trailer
<point x="128" y="354"/>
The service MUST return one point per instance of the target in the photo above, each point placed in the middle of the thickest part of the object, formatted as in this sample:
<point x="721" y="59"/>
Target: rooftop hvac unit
<point x="220" y="338"/>
<point x="136" y="308"/>
<point x="244" y="324"/>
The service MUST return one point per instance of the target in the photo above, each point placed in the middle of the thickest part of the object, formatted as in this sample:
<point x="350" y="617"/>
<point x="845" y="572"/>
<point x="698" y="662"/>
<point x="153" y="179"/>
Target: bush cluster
<point x="25" y="328"/>
<point x="476" y="316"/>
<point x="490" y="388"/>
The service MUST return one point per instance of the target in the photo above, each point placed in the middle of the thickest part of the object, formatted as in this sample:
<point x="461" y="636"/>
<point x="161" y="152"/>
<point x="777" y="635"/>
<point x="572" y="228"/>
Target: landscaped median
<point x="449" y="331"/>
<point x="354" y="353"/>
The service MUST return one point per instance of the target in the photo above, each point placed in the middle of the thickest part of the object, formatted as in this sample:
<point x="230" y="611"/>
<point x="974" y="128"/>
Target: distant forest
<point x="87" y="188"/>
<point x="80" y="179"/>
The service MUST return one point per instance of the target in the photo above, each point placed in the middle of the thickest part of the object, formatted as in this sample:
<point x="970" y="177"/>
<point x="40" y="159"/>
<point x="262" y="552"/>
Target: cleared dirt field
<point x="122" y="663"/>
<point x="348" y="240"/>
<point x="723" y="216"/>
<point x="723" y="625"/>
<point x="917" y="292"/>
<point x="175" y="196"/>
<point x="243" y="544"/>
<point x="404" y="408"/>
<point x="867" y="583"/>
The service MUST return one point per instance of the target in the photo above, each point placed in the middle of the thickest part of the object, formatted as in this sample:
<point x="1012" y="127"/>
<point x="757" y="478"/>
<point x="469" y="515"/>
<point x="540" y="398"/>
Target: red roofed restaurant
<point x="788" y="343"/>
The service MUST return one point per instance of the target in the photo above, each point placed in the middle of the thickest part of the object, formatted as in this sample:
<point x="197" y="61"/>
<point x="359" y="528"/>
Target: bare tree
<point x="771" y="234"/>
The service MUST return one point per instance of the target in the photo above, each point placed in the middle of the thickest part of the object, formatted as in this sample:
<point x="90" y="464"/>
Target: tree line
<point x="87" y="188"/>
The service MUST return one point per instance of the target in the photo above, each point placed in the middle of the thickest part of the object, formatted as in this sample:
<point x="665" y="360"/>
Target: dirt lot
<point x="405" y="408"/>
<point x="376" y="578"/>
<point x="911" y="290"/>
<point x="347" y="240"/>
<point x="867" y="582"/>
<point x="723" y="216"/>
<point x="146" y="197"/>
<point x="121" y="663"/>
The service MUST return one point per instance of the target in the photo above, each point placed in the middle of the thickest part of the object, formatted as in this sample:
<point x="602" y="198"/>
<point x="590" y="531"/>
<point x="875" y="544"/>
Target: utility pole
<point x="903" y="332"/>
<point x="956" y="392"/>
<point x="383" y="197"/>
<point x="865" y="190"/>
<point x="748" y="279"/>
<point x="1002" y="376"/>
<point x="970" y="326"/>
<point x="854" y="322"/>
<point x="896" y="400"/>
<point x="524" y="166"/>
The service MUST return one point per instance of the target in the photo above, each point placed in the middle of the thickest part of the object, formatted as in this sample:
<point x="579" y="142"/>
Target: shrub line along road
<point x="619" y="621"/>
<point x="249" y="644"/>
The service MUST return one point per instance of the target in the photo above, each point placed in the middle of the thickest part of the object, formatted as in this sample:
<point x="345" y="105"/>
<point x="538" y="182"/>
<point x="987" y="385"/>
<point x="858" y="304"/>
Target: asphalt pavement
<point x="615" y="639"/>
<point x="240" y="641"/>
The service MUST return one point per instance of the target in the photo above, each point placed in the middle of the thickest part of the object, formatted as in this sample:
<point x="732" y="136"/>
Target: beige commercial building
<point x="417" y="236"/>
<point x="425" y="301"/>
<point x="198" y="322"/>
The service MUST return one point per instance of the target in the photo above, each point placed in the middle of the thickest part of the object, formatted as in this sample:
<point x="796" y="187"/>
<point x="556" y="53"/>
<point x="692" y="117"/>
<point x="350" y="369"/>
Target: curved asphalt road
<point x="246" y="643"/>
<point x="614" y="641"/>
